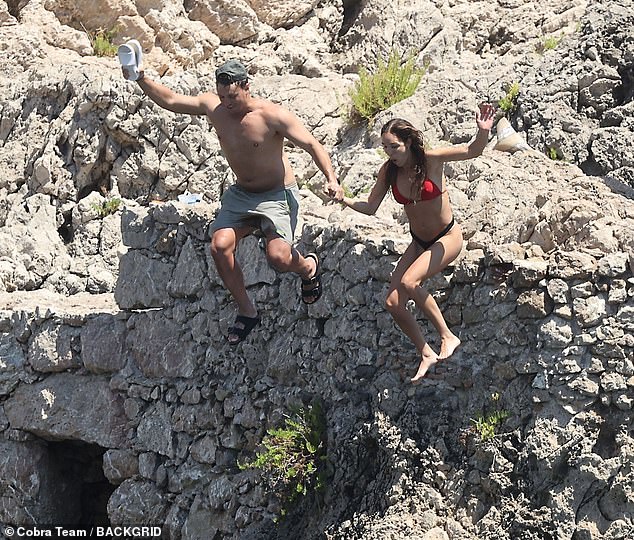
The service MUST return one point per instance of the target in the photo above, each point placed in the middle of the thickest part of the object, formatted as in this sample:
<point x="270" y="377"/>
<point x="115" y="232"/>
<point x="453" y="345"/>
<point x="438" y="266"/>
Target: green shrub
<point x="509" y="102"/>
<point x="553" y="154"/>
<point x="291" y="456"/>
<point x="107" y="207"/>
<point x="347" y="192"/>
<point x="390" y="83"/>
<point x="484" y="427"/>
<point x="101" y="41"/>
<point x="549" y="43"/>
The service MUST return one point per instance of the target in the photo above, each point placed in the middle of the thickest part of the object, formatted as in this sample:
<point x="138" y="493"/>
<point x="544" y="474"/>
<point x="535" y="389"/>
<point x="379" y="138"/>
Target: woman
<point x="415" y="177"/>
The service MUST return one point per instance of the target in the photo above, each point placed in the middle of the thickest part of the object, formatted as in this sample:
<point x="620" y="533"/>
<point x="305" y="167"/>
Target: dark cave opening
<point x="81" y="482"/>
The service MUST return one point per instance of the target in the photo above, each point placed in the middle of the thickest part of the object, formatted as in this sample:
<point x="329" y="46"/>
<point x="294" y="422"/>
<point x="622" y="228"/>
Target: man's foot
<point x="429" y="359"/>
<point x="448" y="344"/>
<point x="242" y="328"/>
<point x="311" y="287"/>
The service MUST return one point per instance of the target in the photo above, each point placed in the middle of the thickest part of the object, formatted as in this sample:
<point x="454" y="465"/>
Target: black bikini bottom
<point x="427" y="244"/>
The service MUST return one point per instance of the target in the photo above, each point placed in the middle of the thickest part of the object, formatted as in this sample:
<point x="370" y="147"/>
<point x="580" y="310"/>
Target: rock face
<point x="547" y="338"/>
<point x="113" y="317"/>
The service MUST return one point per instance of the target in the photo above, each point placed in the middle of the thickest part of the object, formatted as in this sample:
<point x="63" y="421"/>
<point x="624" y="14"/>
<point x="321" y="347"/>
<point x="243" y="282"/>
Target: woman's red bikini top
<point x="428" y="191"/>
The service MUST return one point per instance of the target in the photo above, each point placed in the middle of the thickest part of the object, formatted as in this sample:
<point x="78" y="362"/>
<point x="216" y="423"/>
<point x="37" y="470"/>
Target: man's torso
<point x="253" y="148"/>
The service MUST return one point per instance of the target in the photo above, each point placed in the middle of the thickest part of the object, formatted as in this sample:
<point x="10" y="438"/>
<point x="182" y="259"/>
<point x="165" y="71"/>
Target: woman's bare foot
<point x="448" y="344"/>
<point x="429" y="358"/>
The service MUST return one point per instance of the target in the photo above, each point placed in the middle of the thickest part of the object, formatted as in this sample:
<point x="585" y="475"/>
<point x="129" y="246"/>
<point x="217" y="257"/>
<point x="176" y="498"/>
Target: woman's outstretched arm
<point x="484" y="120"/>
<point x="372" y="203"/>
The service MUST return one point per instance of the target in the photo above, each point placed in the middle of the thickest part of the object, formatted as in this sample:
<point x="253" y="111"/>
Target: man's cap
<point x="230" y="72"/>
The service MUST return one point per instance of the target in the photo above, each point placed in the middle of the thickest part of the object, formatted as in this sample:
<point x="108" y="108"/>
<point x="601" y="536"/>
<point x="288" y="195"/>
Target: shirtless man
<point x="251" y="132"/>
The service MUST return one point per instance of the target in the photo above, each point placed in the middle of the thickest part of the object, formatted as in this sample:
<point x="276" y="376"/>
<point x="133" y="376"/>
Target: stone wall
<point x="546" y="337"/>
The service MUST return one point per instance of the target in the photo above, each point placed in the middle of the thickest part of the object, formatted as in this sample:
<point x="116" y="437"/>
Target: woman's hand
<point x="485" y="116"/>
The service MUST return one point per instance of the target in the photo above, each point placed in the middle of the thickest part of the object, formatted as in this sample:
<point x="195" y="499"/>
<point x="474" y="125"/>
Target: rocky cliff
<point x="114" y="372"/>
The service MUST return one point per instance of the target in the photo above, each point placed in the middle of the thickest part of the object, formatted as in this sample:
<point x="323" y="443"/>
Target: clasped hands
<point x="334" y="191"/>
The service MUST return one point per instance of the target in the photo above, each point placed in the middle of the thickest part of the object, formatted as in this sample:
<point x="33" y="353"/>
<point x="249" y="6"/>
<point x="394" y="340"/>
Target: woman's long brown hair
<point x="405" y="131"/>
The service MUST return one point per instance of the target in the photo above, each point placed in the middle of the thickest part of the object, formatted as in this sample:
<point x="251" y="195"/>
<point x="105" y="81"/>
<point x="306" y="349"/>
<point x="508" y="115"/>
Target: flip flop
<point x="130" y="56"/>
<point x="311" y="295"/>
<point x="248" y="324"/>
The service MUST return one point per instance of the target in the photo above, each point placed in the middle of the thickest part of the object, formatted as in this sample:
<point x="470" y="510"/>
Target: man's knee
<point x="279" y="257"/>
<point x="222" y="245"/>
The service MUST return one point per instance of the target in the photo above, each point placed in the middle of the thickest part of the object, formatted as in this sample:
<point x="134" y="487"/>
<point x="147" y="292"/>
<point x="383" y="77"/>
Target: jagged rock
<point x="119" y="465"/>
<point x="151" y="511"/>
<point x="27" y="472"/>
<point x="102" y="344"/>
<point x="66" y="406"/>
<point x="230" y="21"/>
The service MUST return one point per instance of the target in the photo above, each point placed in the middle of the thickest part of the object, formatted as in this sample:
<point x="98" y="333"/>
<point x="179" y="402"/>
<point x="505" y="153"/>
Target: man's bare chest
<point x="250" y="132"/>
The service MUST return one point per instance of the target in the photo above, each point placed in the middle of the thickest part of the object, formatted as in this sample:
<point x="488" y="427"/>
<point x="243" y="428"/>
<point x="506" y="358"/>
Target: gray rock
<point x="160" y="348"/>
<point x="67" y="406"/>
<point x="102" y="344"/>
<point x="13" y="359"/>
<point x="119" y="465"/>
<point x="145" y="282"/>
<point x="150" y="509"/>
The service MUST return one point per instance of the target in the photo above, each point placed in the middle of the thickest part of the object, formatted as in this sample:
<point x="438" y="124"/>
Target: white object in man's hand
<point x="130" y="56"/>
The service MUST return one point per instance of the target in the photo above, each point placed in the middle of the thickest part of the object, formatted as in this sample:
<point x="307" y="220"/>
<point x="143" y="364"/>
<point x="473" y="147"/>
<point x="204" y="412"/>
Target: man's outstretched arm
<point x="172" y="101"/>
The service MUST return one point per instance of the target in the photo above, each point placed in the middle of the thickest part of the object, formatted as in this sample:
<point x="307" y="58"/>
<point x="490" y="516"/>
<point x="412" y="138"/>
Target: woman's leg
<point x="429" y="263"/>
<point x="396" y="304"/>
<point x="427" y="304"/>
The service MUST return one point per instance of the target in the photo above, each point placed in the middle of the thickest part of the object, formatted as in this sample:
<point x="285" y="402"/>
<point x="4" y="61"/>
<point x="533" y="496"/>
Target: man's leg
<point x="223" y="251"/>
<point x="285" y="258"/>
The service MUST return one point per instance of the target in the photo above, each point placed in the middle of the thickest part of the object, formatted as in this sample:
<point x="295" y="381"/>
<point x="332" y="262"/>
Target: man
<point x="251" y="132"/>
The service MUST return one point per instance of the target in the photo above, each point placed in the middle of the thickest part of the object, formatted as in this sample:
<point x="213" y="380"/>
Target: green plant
<point x="390" y="83"/>
<point x="549" y="43"/>
<point x="509" y="102"/>
<point x="291" y="456"/>
<point x="484" y="427"/>
<point x="101" y="41"/>
<point x="553" y="154"/>
<point x="347" y="192"/>
<point x="107" y="207"/>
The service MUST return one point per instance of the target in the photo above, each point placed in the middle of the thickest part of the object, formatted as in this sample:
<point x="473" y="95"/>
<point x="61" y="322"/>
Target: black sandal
<point x="248" y="324"/>
<point x="311" y="295"/>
